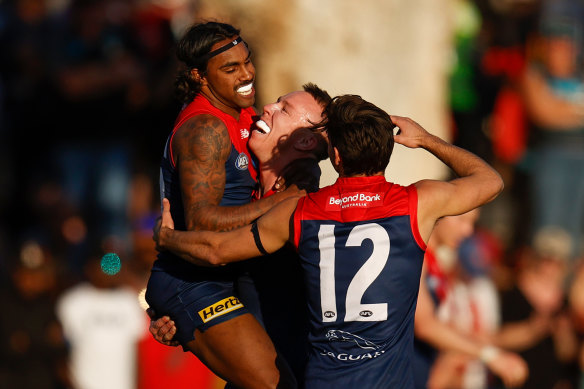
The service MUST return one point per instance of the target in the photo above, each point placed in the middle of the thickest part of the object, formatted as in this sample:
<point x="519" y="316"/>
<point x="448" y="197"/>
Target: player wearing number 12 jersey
<point x="361" y="242"/>
<point x="361" y="255"/>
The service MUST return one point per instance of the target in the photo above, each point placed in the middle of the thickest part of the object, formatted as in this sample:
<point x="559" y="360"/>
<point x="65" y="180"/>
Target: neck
<point x="268" y="174"/>
<point x="217" y="103"/>
<point x="361" y="175"/>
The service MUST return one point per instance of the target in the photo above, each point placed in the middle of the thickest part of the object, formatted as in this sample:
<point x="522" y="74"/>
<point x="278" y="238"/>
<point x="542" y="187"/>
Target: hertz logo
<point x="220" y="308"/>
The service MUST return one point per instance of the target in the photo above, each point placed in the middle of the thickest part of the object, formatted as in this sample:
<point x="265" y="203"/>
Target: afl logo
<point x="365" y="313"/>
<point x="241" y="162"/>
<point x="329" y="314"/>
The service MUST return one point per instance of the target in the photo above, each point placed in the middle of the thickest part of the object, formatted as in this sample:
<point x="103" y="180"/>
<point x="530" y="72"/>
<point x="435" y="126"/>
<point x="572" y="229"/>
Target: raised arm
<point x="201" y="147"/>
<point x="219" y="248"/>
<point x="477" y="182"/>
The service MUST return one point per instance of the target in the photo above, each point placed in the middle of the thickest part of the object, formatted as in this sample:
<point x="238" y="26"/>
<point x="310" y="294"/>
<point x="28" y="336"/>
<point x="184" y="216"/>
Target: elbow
<point x="499" y="185"/>
<point x="215" y="255"/>
<point x="215" y="260"/>
<point x="496" y="186"/>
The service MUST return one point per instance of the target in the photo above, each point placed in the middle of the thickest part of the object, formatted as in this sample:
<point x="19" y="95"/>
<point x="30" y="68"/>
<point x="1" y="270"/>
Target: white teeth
<point x="246" y="89"/>
<point x="263" y="126"/>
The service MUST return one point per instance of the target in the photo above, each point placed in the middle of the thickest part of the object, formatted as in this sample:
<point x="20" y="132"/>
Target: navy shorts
<point x="193" y="303"/>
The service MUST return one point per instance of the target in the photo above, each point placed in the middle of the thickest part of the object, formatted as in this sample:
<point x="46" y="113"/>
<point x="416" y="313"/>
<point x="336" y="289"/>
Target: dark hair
<point x="194" y="44"/>
<point x="323" y="99"/>
<point x="362" y="132"/>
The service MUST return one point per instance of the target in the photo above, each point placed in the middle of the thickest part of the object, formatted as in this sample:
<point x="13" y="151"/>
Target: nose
<point x="270" y="108"/>
<point x="248" y="72"/>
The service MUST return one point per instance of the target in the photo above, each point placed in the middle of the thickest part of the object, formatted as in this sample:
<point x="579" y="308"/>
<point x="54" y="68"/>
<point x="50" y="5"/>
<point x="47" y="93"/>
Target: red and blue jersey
<point x="361" y="254"/>
<point x="240" y="174"/>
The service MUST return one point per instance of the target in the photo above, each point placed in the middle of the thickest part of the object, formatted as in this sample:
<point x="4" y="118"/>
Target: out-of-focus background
<point x="86" y="102"/>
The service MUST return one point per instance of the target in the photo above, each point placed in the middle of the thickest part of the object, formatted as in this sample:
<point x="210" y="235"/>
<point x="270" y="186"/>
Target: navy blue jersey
<point x="362" y="256"/>
<point x="239" y="172"/>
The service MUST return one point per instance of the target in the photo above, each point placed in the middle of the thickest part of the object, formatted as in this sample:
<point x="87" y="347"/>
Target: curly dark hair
<point x="194" y="44"/>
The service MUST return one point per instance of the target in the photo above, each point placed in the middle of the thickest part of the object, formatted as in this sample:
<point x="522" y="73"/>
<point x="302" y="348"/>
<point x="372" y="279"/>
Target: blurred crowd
<point x="86" y="100"/>
<point x="86" y="92"/>
<point x="516" y="279"/>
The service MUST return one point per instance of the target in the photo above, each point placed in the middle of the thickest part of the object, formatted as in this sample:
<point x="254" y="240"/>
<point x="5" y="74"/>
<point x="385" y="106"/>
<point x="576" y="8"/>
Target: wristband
<point x="488" y="353"/>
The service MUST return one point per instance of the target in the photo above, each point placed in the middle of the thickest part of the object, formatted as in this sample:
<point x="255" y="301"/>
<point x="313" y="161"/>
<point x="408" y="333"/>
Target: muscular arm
<point x="218" y="248"/>
<point x="478" y="182"/>
<point x="201" y="147"/>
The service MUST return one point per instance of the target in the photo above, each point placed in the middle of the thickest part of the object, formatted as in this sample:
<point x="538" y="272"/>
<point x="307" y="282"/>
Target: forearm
<point x="517" y="336"/>
<point x="477" y="183"/>
<point x="195" y="247"/>
<point x="443" y="337"/>
<point x="557" y="115"/>
<point x="208" y="248"/>
<point x="547" y="109"/>
<point x="222" y="218"/>
<point x="462" y="162"/>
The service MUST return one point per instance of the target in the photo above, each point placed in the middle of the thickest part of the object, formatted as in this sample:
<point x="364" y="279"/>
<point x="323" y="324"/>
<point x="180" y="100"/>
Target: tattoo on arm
<point x="202" y="146"/>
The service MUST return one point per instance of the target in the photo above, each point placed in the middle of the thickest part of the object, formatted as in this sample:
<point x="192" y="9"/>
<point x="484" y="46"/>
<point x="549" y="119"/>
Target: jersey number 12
<point x="364" y="277"/>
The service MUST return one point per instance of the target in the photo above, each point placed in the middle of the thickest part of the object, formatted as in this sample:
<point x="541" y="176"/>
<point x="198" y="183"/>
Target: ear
<point x="198" y="77"/>
<point x="337" y="157"/>
<point x="306" y="142"/>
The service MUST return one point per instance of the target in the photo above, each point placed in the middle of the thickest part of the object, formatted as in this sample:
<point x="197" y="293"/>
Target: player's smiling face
<point x="228" y="81"/>
<point x="279" y="120"/>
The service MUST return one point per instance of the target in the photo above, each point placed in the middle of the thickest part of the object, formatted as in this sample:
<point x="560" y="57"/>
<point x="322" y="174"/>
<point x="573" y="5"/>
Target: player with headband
<point x="361" y="242"/>
<point x="208" y="174"/>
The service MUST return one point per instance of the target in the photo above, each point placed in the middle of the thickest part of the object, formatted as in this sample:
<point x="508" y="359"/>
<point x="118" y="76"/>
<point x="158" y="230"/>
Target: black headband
<point x="211" y="54"/>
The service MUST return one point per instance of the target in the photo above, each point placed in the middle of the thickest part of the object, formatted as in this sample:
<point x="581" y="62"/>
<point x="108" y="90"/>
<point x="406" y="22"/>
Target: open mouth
<point x="262" y="127"/>
<point x="245" y="90"/>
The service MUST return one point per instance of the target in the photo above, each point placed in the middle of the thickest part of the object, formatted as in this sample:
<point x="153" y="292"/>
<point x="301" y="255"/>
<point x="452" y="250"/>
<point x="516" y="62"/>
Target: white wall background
<point x="394" y="53"/>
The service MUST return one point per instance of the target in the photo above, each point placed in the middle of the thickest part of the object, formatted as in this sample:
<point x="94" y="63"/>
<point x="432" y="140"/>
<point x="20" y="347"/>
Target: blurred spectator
<point x="553" y="92"/>
<point x="535" y="321"/>
<point x="576" y="304"/>
<point x="457" y="366"/>
<point x="103" y="323"/>
<point x="32" y="349"/>
<point x="97" y="68"/>
<point x="28" y="39"/>
<point x="469" y="95"/>
<point x="471" y="304"/>
<point x="158" y="365"/>
<point x="143" y="210"/>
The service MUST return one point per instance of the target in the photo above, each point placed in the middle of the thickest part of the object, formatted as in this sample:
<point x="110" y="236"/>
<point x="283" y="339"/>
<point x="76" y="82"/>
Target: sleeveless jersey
<point x="239" y="171"/>
<point x="361" y="254"/>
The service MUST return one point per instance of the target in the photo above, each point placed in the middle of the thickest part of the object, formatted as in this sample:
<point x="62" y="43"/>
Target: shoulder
<point x="202" y="123"/>
<point x="204" y="133"/>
